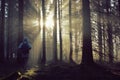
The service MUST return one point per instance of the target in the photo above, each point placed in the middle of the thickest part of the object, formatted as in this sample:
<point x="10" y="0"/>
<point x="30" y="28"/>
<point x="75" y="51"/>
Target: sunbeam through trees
<point x="59" y="39"/>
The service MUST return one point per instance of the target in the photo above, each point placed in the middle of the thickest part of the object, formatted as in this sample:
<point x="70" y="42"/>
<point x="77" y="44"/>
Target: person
<point x="23" y="51"/>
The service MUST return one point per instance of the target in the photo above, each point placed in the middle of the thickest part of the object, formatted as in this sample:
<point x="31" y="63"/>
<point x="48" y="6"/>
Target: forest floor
<point x="65" y="71"/>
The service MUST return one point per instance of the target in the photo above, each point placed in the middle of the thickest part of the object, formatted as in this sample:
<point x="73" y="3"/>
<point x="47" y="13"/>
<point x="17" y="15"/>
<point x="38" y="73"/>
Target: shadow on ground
<point x="65" y="71"/>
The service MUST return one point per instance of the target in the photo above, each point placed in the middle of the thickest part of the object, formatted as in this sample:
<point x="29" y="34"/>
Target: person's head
<point x="25" y="40"/>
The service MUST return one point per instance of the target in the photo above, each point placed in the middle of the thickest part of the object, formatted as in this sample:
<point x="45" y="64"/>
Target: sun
<point x="49" y="22"/>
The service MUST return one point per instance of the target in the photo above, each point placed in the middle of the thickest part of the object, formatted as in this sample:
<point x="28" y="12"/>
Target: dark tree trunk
<point x="60" y="29"/>
<point x="87" y="56"/>
<point x="43" y="60"/>
<point x="109" y="30"/>
<point x="116" y="47"/>
<point x="2" y="22"/>
<point x="10" y="28"/>
<point x="55" y="32"/>
<point x="119" y="6"/>
<point x="110" y="43"/>
<point x="70" y="32"/>
<point x="100" y="42"/>
<point x="21" y="14"/>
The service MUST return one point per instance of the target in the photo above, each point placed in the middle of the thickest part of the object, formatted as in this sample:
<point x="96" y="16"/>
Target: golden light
<point x="31" y="72"/>
<point x="36" y="23"/>
<point x="49" y="23"/>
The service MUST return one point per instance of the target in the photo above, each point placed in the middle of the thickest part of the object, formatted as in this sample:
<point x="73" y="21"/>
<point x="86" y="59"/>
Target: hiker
<point x="23" y="51"/>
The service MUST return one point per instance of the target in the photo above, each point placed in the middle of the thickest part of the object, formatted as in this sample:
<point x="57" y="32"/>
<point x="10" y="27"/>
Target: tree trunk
<point x="116" y="47"/>
<point x="100" y="42"/>
<point x="21" y="14"/>
<point x="70" y="32"/>
<point x="43" y="60"/>
<point x="119" y="6"/>
<point x="87" y="56"/>
<point x="2" y="22"/>
<point x="55" y="32"/>
<point x="110" y="43"/>
<point x="10" y="28"/>
<point x="109" y="30"/>
<point x="60" y="29"/>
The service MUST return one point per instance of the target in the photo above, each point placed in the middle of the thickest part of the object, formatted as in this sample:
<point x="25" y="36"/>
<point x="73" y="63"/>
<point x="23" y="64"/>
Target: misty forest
<point x="59" y="40"/>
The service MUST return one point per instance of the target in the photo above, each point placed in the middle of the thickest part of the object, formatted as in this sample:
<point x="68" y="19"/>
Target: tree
<point x="119" y="6"/>
<point x="55" y="32"/>
<point x="70" y="33"/>
<point x="21" y="14"/>
<point x="2" y="22"/>
<point x="12" y="29"/>
<point x="60" y="29"/>
<point x="43" y="60"/>
<point x="87" y="56"/>
<point x="110" y="42"/>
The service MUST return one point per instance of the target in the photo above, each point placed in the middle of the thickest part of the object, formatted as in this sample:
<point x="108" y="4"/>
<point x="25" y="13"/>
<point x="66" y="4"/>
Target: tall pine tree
<point x="87" y="56"/>
<point x="70" y="32"/>
<point x="2" y="22"/>
<point x="43" y="60"/>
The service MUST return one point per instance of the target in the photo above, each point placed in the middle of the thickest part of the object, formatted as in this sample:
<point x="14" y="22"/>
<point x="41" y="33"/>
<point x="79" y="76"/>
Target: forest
<point x="66" y="39"/>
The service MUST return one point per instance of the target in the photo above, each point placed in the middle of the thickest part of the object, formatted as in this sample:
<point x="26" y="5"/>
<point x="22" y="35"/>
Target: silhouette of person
<point x="23" y="51"/>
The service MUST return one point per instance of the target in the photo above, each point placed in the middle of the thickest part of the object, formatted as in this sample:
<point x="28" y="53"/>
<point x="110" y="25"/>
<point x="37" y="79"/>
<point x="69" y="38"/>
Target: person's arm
<point x="20" y="46"/>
